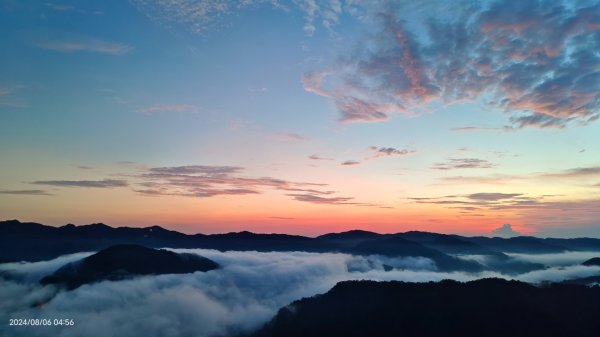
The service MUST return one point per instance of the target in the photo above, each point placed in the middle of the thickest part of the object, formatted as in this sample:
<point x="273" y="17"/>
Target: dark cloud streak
<point x="389" y="151"/>
<point x="106" y="183"/>
<point x="317" y="157"/>
<point x="25" y="192"/>
<point x="196" y="169"/>
<point x="492" y="196"/>
<point x="322" y="200"/>
<point x="463" y="163"/>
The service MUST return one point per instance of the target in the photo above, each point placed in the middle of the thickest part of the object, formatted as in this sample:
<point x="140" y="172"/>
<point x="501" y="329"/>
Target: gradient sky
<point x="302" y="116"/>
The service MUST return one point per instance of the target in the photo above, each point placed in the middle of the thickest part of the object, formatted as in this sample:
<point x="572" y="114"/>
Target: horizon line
<point x="290" y="234"/>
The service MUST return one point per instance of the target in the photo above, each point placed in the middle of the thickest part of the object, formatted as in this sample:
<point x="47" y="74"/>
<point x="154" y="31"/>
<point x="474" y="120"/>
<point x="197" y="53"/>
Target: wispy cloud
<point x="352" y="109"/>
<point x="375" y="152"/>
<point x="480" y="128"/>
<point x="69" y="8"/>
<point x="206" y="170"/>
<point x="576" y="175"/>
<point x="25" y="192"/>
<point x="548" y="215"/>
<point x="317" y="157"/>
<point x="106" y="183"/>
<point x="317" y="199"/>
<point x="540" y="120"/>
<point x="326" y="13"/>
<point x="84" y="44"/>
<point x="204" y="181"/>
<point x="60" y="7"/>
<point x="290" y="136"/>
<point x="495" y="179"/>
<point x="463" y="163"/>
<point x="492" y="196"/>
<point x="258" y="90"/>
<point x="322" y="200"/>
<point x="310" y="9"/>
<point x="9" y="96"/>
<point x="530" y="58"/>
<point x="126" y="163"/>
<point x="487" y="200"/>
<point x="539" y="212"/>
<point x="169" y="108"/>
<point x="197" y="16"/>
<point x="204" y="193"/>
<point x="578" y="172"/>
<point x="201" y="16"/>
<point x="389" y="151"/>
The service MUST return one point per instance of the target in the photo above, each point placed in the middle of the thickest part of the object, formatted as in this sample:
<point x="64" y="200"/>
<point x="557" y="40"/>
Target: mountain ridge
<point x="123" y="261"/>
<point x="485" y="307"/>
<point x="17" y="239"/>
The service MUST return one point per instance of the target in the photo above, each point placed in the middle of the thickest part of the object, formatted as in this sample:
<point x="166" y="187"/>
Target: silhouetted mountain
<point x="590" y="280"/>
<point x="349" y="238"/>
<point x="582" y="244"/>
<point x="595" y="261"/>
<point x="449" y="244"/>
<point x="519" y="244"/>
<point x="488" y="307"/>
<point x="260" y="242"/>
<point x="124" y="261"/>
<point x="18" y="239"/>
<point x="511" y="266"/>
<point x="34" y="242"/>
<point x="396" y="246"/>
<point x="350" y="235"/>
<point x="584" y="281"/>
<point x="460" y="246"/>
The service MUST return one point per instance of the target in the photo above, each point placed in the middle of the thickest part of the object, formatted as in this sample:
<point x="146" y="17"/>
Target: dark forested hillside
<point x="124" y="261"/>
<point x="487" y="307"/>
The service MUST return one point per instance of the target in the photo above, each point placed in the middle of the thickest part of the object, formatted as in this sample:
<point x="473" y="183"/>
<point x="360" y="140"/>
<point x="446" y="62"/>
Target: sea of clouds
<point x="243" y="294"/>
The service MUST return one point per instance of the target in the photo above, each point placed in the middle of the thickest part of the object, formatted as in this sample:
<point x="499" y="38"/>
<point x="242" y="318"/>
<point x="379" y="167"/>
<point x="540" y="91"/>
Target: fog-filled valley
<point x="244" y="293"/>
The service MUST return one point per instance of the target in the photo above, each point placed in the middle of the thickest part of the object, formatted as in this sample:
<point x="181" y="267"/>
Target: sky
<point x="303" y="117"/>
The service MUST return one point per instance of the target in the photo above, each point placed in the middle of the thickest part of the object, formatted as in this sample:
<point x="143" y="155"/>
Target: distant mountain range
<point x="125" y="261"/>
<point x="487" y="307"/>
<point x="26" y="241"/>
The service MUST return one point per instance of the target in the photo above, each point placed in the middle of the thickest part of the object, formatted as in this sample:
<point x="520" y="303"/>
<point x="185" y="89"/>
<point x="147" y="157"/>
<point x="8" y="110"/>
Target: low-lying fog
<point x="242" y="295"/>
